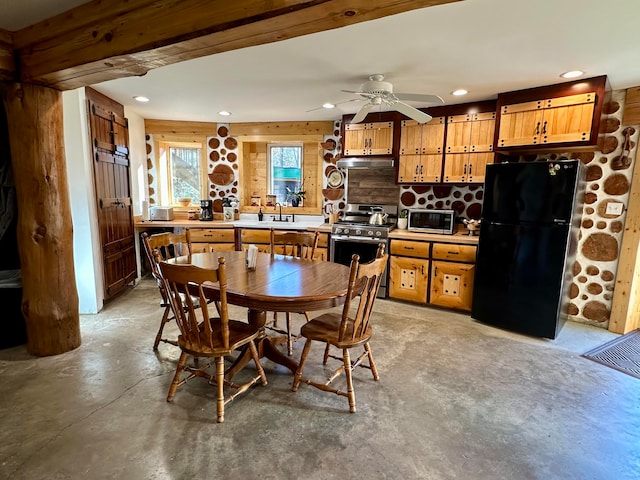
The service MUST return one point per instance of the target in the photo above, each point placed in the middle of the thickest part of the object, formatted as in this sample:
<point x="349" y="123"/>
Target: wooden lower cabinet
<point x="216" y="239"/>
<point x="452" y="284"/>
<point x="409" y="278"/>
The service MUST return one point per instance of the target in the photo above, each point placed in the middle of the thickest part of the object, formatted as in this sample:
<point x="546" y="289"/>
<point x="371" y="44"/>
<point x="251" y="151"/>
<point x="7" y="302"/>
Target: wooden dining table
<point x="277" y="284"/>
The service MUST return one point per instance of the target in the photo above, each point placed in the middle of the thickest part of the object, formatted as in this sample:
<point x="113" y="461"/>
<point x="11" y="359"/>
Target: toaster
<point x="161" y="213"/>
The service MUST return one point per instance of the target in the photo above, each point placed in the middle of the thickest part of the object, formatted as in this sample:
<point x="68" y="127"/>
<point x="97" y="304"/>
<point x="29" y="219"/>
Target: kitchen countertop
<point x="309" y="225"/>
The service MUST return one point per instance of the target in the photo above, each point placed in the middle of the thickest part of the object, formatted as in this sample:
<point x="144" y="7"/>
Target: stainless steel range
<point x="354" y="234"/>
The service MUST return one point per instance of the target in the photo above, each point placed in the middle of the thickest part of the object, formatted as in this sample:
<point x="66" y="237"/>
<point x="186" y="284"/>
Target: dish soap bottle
<point x="260" y="215"/>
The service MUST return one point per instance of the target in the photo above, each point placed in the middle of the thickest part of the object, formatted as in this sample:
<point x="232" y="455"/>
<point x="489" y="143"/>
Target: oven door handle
<point x="358" y="239"/>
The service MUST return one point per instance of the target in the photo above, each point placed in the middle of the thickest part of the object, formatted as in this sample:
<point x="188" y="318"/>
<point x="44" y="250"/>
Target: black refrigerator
<point x="528" y="239"/>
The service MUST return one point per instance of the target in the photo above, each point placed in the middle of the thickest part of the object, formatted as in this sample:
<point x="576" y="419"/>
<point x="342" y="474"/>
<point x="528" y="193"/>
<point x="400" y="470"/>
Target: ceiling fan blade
<point x="338" y="103"/>
<point x="364" y="94"/>
<point x="417" y="97"/>
<point x="411" y="112"/>
<point x="362" y="113"/>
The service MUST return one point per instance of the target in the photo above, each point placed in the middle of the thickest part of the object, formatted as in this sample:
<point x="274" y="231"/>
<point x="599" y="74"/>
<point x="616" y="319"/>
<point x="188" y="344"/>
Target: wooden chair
<point x="169" y="245"/>
<point x="205" y="336"/>
<point x="346" y="332"/>
<point x="292" y="244"/>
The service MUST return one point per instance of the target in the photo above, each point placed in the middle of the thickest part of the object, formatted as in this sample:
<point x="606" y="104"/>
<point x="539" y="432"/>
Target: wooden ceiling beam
<point x="102" y="41"/>
<point x="7" y="58"/>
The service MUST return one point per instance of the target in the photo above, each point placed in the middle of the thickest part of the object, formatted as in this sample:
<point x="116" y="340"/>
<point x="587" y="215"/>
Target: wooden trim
<point x="631" y="114"/>
<point x="101" y="41"/>
<point x="173" y="127"/>
<point x="625" y="310"/>
<point x="281" y="128"/>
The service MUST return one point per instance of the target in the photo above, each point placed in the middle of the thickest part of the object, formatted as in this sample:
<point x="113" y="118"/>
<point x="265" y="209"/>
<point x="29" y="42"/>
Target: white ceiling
<point x="484" y="46"/>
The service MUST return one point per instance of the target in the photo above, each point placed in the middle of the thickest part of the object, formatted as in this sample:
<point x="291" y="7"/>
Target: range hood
<point x="366" y="162"/>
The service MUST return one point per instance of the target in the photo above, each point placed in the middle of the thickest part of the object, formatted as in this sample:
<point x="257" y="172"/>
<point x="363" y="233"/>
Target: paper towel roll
<point x="145" y="210"/>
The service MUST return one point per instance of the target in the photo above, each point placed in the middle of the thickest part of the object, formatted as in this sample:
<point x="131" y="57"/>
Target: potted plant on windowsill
<point x="296" y="196"/>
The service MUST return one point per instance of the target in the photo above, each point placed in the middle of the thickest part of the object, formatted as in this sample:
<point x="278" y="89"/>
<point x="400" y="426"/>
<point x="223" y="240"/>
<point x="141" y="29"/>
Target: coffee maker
<point x="206" y="210"/>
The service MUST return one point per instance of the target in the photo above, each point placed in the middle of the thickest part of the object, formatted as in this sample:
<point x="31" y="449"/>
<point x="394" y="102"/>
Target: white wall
<point x="138" y="169"/>
<point x="86" y="241"/>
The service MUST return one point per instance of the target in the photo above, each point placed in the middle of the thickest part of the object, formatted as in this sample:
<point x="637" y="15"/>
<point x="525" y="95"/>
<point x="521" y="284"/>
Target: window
<point x="285" y="169"/>
<point x="181" y="172"/>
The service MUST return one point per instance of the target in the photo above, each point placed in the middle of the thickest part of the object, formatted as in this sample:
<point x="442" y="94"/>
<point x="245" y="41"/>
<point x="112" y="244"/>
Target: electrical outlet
<point x="613" y="208"/>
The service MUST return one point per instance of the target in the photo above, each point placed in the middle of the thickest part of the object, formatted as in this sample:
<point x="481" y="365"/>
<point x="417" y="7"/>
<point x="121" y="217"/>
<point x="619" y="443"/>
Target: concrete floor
<point x="456" y="400"/>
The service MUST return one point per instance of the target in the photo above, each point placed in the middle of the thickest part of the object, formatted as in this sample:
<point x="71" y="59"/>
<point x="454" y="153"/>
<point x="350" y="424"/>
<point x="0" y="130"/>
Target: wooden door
<point x="379" y="138"/>
<point x="452" y="285"/>
<point x="113" y="197"/>
<point x="520" y="124"/>
<point x="408" y="279"/>
<point x="455" y="167"/>
<point x="354" y="139"/>
<point x="477" y="165"/>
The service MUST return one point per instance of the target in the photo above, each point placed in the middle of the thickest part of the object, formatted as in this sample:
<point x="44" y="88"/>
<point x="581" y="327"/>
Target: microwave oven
<point x="161" y="213"/>
<point x="431" y="221"/>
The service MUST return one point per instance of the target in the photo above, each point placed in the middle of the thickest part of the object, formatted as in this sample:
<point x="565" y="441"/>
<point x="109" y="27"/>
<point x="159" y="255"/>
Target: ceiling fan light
<point x="328" y="106"/>
<point x="459" y="92"/>
<point x="572" y="74"/>
<point x="224" y="113"/>
<point x="140" y="98"/>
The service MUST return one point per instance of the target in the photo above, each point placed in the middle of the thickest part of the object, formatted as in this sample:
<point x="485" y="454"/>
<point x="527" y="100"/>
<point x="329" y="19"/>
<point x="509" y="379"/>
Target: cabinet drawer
<point x="408" y="248"/>
<point x="255" y="236"/>
<point x="451" y="251"/>
<point x="211" y="235"/>
<point x="323" y="240"/>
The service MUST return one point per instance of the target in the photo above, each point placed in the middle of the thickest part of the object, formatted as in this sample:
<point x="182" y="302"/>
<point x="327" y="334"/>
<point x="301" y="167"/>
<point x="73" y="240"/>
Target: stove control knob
<point x="338" y="230"/>
<point x="345" y="231"/>
<point x="358" y="232"/>
<point x="378" y="234"/>
<point x="370" y="233"/>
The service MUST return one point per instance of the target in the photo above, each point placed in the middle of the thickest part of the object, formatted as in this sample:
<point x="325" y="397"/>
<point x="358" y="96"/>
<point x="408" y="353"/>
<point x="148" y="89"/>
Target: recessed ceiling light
<point x="140" y="98"/>
<point x="224" y="113"/>
<point x="459" y="92"/>
<point x="572" y="74"/>
<point x="328" y="105"/>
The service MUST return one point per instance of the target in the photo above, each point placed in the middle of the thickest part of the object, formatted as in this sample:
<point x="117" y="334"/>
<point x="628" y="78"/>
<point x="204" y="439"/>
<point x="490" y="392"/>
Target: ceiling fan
<point x="379" y="92"/>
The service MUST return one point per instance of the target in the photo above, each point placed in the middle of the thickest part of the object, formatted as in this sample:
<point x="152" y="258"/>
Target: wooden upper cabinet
<point x="552" y="120"/>
<point x="421" y="147"/>
<point x="374" y="138"/>
<point x="562" y="116"/>
<point x="469" y="147"/>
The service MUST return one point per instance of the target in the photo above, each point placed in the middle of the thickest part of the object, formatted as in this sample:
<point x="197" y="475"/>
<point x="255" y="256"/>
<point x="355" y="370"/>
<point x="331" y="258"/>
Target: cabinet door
<point x="379" y="138"/>
<point x="408" y="279"/>
<point x="354" y="139"/>
<point x="433" y="136"/>
<point x="431" y="168"/>
<point x="477" y="166"/>
<point x="455" y="167"/>
<point x="567" y="124"/>
<point x="520" y="127"/>
<point x="409" y="169"/>
<point x="410" y="137"/>
<point x="458" y="133"/>
<point x="452" y="285"/>
<point x="482" y="130"/>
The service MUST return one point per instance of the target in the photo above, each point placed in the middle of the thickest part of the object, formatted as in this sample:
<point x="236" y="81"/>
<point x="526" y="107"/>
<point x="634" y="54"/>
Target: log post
<point x="45" y="232"/>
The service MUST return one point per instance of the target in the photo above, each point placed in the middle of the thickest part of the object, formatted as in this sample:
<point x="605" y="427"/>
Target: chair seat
<point x="240" y="333"/>
<point x="326" y="328"/>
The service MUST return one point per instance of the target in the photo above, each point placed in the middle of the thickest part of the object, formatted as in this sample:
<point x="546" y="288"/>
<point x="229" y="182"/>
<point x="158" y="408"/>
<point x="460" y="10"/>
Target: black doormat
<point x="622" y="353"/>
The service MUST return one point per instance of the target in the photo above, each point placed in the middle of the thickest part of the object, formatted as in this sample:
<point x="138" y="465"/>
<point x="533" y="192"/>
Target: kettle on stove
<point x="378" y="217"/>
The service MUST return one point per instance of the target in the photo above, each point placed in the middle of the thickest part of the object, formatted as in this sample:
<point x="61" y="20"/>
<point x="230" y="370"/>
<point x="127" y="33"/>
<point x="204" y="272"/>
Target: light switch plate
<point x="614" y="208"/>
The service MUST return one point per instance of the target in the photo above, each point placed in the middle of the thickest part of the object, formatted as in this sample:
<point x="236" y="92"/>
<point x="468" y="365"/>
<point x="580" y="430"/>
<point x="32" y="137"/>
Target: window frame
<point x="270" y="179"/>
<point x="165" y="180"/>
